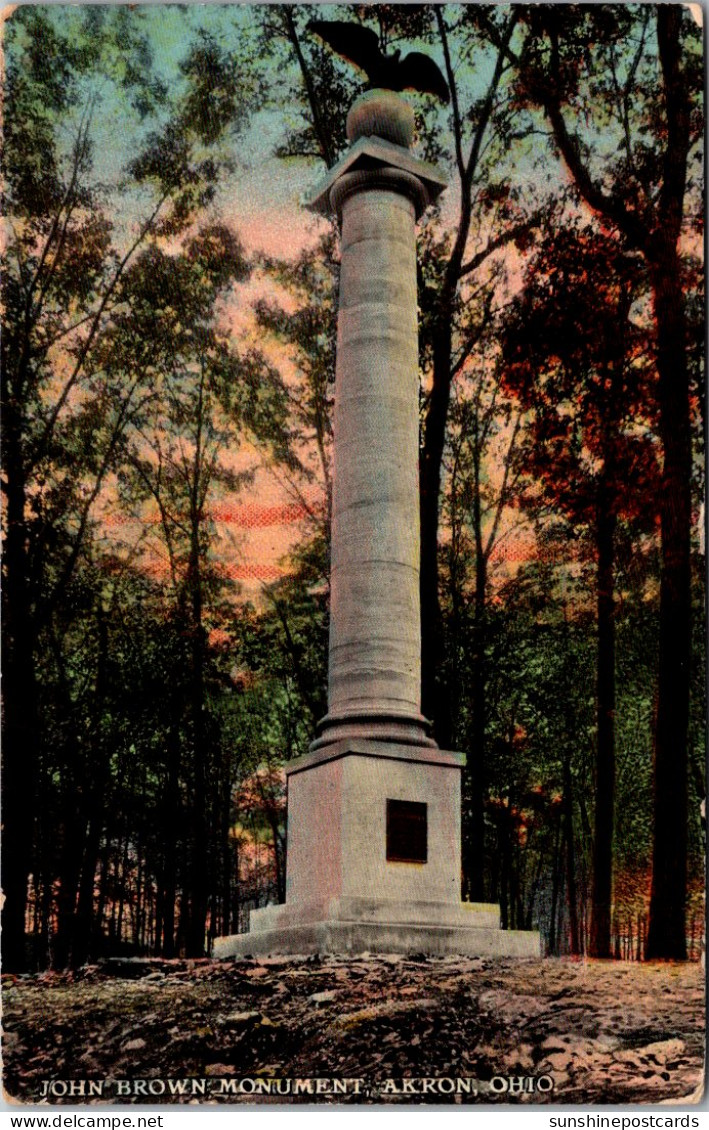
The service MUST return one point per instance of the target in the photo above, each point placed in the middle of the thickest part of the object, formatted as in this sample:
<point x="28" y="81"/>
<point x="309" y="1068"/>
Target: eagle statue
<point x="360" y="46"/>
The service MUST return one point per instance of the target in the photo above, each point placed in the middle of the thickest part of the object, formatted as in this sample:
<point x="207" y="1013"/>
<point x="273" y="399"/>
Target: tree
<point x="310" y="332"/>
<point x="579" y="366"/>
<point x="540" y="720"/>
<point x="641" y="67"/>
<point x="205" y="394"/>
<point x="65" y="411"/>
<point x="482" y="472"/>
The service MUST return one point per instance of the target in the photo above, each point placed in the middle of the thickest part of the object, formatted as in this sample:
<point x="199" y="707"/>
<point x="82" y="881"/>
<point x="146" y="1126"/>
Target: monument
<point x="374" y="853"/>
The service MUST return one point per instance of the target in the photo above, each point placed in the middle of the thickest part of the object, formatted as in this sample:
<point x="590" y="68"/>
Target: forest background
<point x="167" y="380"/>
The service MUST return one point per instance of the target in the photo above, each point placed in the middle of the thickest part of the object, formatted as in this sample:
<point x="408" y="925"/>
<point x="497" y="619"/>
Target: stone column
<point x="375" y="618"/>
<point x="354" y="882"/>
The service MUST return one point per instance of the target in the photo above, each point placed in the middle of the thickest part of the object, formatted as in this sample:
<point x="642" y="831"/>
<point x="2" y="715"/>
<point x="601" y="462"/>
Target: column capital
<point x="372" y="160"/>
<point x="382" y="177"/>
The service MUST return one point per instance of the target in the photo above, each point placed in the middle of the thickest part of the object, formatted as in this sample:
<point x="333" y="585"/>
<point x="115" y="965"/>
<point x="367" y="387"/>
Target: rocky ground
<point x="397" y="1029"/>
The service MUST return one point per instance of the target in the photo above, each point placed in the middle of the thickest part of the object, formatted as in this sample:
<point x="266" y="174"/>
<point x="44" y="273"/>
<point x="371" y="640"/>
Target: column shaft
<point x="375" y="628"/>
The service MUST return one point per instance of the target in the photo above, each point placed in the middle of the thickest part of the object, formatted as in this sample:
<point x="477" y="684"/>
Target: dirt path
<point x="397" y="1029"/>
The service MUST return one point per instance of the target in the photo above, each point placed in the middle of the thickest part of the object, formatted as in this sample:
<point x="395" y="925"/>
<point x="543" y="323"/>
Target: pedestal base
<point x="356" y="925"/>
<point x="357" y="880"/>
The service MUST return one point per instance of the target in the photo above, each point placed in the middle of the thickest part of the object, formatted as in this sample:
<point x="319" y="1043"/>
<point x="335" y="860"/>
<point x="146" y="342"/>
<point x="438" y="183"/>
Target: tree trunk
<point x="570" y="855"/>
<point x="504" y="872"/>
<point x="83" y="927"/>
<point x="555" y="879"/>
<point x="474" y="833"/>
<point x="236" y="892"/>
<point x="666" y="934"/>
<point x="73" y="842"/>
<point x="21" y="731"/>
<point x="278" y="860"/>
<point x="137" y="917"/>
<point x="198" y="878"/>
<point x="123" y="888"/>
<point x="44" y="949"/>
<point x="601" y="894"/>
<point x="434" y="699"/>
<point x="532" y="892"/>
<point x="171" y="821"/>
<point x="198" y="865"/>
<point x="104" y="868"/>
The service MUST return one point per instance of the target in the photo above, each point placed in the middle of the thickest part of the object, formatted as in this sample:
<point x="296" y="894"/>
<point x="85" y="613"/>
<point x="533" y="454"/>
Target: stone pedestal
<point x="343" y="895"/>
<point x="374" y="857"/>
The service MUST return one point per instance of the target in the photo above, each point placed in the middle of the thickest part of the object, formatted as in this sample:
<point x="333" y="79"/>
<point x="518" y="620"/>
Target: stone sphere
<point x="381" y="113"/>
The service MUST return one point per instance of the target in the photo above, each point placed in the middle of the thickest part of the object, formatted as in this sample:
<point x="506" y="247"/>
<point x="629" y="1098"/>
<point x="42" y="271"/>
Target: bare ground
<point x="588" y="1032"/>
